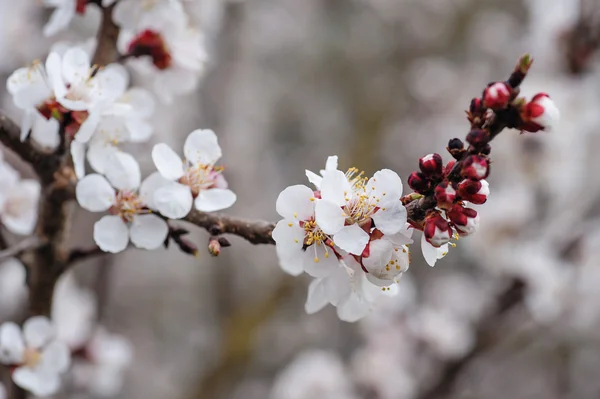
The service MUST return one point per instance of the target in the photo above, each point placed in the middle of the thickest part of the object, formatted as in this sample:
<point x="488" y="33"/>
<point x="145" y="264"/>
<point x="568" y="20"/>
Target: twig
<point x="81" y="254"/>
<point x="22" y="246"/>
<point x="256" y="232"/>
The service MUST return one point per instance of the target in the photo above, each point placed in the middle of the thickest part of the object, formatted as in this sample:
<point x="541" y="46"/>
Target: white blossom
<point x="13" y="288"/>
<point x="388" y="258"/>
<point x="38" y="357"/>
<point x="18" y="201"/>
<point x="330" y="164"/>
<point x="431" y="254"/>
<point x="130" y="217"/>
<point x="194" y="180"/>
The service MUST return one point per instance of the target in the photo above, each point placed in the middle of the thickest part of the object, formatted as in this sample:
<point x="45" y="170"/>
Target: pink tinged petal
<point x="329" y="216"/>
<point x="317" y="296"/>
<point x="99" y="154"/>
<point x="314" y="178"/>
<point x="123" y="171"/>
<point x="335" y="187"/>
<point x="94" y="193"/>
<point x="111" y="234"/>
<point x="353" y="308"/>
<point x="54" y="71"/>
<point x="45" y="132"/>
<point x="352" y="239"/>
<point x="59" y="20"/>
<point x="78" y="155"/>
<point x="320" y="260"/>
<point x="214" y="199"/>
<point x="150" y="185"/>
<point x="89" y="126"/>
<point x="12" y="344"/>
<point x="431" y="253"/>
<point x="38" y="383"/>
<point x="148" y="231"/>
<point x="76" y="65"/>
<point x="173" y="201"/>
<point x="167" y="162"/>
<point x="289" y="239"/>
<point x="202" y="146"/>
<point x="38" y="332"/>
<point x="294" y="202"/>
<point x="391" y="218"/>
<point x="56" y="357"/>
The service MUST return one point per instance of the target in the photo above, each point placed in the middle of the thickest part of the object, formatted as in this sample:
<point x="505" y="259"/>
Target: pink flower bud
<point x="474" y="191"/>
<point x="448" y="168"/>
<point x="437" y="230"/>
<point x="478" y="137"/>
<point x="419" y="182"/>
<point x="466" y="220"/>
<point x="475" y="167"/>
<point x="431" y="165"/>
<point x="445" y="194"/>
<point x="496" y="95"/>
<point x="540" y="114"/>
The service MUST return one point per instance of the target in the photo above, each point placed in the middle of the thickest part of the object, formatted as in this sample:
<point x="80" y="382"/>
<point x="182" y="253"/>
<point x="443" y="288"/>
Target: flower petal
<point x="320" y="260"/>
<point x="38" y="331"/>
<point x="351" y="239"/>
<point x="38" y="383"/>
<point x="331" y="163"/>
<point x="78" y="155"/>
<point x="385" y="185"/>
<point x="59" y="20"/>
<point x="21" y="215"/>
<point x="214" y="199"/>
<point x="294" y="202"/>
<point x="89" y="126"/>
<point x="391" y="218"/>
<point x="431" y="253"/>
<point x="150" y="185"/>
<point x="329" y="216"/>
<point x="99" y="155"/>
<point x="174" y="200"/>
<point x="94" y="193"/>
<point x="289" y="239"/>
<point x="353" y="308"/>
<point x="111" y="234"/>
<point x="317" y="296"/>
<point x="56" y="357"/>
<point x="123" y="171"/>
<point x="148" y="231"/>
<point x="167" y="162"/>
<point x="377" y="263"/>
<point x="141" y="101"/>
<point x="12" y="344"/>
<point x="75" y="65"/>
<point x="314" y="178"/>
<point x="335" y="187"/>
<point x="54" y="71"/>
<point x="202" y="146"/>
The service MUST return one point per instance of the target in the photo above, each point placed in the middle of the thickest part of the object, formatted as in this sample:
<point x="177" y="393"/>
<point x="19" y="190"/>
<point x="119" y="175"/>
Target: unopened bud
<point x="486" y="149"/>
<point x="419" y="182"/>
<point x="478" y="137"/>
<point x="187" y="246"/>
<point x="474" y="191"/>
<point x="214" y="247"/>
<point x="224" y="242"/>
<point x="496" y="96"/>
<point x="456" y="148"/>
<point x="476" y="106"/>
<point x="475" y="167"/>
<point x="437" y="230"/>
<point x="541" y="113"/>
<point x="431" y="165"/>
<point x="445" y="194"/>
<point x="466" y="220"/>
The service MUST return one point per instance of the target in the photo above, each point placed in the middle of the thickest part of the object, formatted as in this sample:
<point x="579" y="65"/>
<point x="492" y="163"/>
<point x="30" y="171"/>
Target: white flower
<point x="351" y="204"/>
<point x="130" y="217"/>
<point x="431" y="253"/>
<point x="300" y="243"/>
<point x="330" y="164"/>
<point x="167" y="50"/>
<point x="388" y="257"/>
<point x="196" y="179"/>
<point x="39" y="358"/>
<point x="13" y="288"/>
<point x="18" y="201"/>
<point x="63" y="14"/>
<point x="73" y="312"/>
<point x="107" y="358"/>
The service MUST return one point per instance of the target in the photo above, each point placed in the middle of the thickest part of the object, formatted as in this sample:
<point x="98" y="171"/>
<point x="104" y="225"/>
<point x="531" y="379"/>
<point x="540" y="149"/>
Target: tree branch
<point x="254" y="231"/>
<point x="22" y="246"/>
<point x="81" y="254"/>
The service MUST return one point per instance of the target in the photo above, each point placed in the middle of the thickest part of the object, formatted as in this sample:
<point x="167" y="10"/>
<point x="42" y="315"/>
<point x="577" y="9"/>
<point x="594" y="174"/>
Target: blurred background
<point x="512" y="312"/>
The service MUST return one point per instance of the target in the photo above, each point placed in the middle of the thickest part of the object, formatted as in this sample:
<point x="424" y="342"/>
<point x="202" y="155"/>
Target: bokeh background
<point x="512" y="312"/>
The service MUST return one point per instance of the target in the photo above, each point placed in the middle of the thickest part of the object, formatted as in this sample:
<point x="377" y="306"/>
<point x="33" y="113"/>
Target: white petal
<point x="385" y="182"/>
<point x="123" y="171"/>
<point x="12" y="344"/>
<point x="141" y="101"/>
<point x="27" y="123"/>
<point x="111" y="234"/>
<point x="320" y="260"/>
<point x="167" y="162"/>
<point x="139" y="131"/>
<point x="380" y="254"/>
<point x="314" y="178"/>
<point x="148" y="231"/>
<point x="202" y="146"/>
<point x="89" y="126"/>
<point x="331" y="163"/>
<point x="94" y="193"/>
<point x="294" y="202"/>
<point x="38" y="383"/>
<point x="99" y="155"/>
<point x="112" y="82"/>
<point x="149" y="187"/>
<point x="335" y="187"/>
<point x="76" y="65"/>
<point x="403" y="237"/>
<point x="173" y="201"/>
<point x="21" y="215"/>
<point x="353" y="308"/>
<point x="317" y="296"/>
<point x="38" y="331"/>
<point x="214" y="199"/>
<point x="59" y="20"/>
<point x="78" y="155"/>
<point x="54" y="70"/>
<point x="329" y="216"/>
<point x="289" y="237"/>
<point x="352" y="239"/>
<point x="431" y="253"/>
<point x="55" y="357"/>
<point x="391" y="218"/>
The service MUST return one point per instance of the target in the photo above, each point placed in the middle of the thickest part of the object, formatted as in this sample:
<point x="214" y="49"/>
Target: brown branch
<point x="106" y="51"/>
<point x="28" y="243"/>
<point x="256" y="232"/>
<point x="81" y="254"/>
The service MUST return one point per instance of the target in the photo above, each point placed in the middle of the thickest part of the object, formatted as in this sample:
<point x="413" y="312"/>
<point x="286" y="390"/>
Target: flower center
<point x="361" y="203"/>
<point x="31" y="357"/>
<point x="151" y="43"/>
<point x="312" y="233"/>
<point x="127" y="205"/>
<point x="201" y="177"/>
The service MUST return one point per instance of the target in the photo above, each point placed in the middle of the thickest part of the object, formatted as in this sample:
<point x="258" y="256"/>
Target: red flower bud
<point x="448" y="167"/>
<point x="431" y="165"/>
<point x="419" y="182"/>
<point x="474" y="191"/>
<point x="437" y="230"/>
<point x="496" y="95"/>
<point x="476" y="106"/>
<point x="539" y="114"/>
<point x="478" y="137"/>
<point x="475" y="167"/>
<point x="151" y="43"/>
<point x="445" y="194"/>
<point x="466" y="220"/>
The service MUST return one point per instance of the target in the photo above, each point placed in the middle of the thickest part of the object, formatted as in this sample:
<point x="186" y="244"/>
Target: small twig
<point x="22" y="246"/>
<point x="81" y="254"/>
<point x="254" y="231"/>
